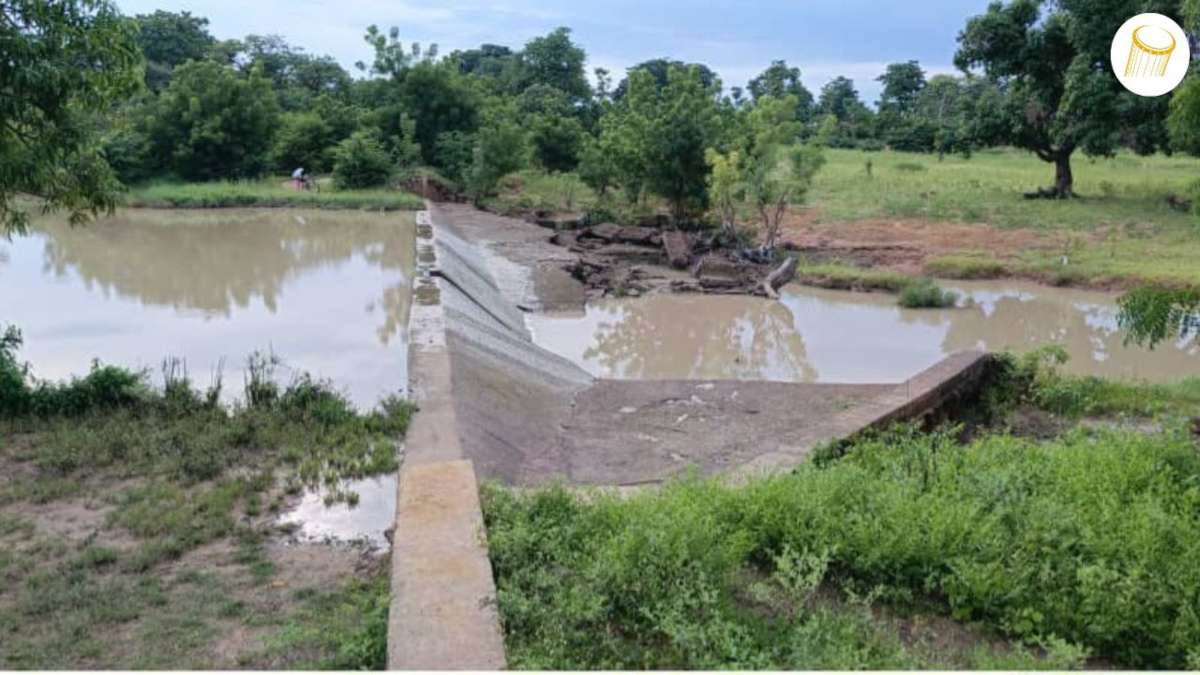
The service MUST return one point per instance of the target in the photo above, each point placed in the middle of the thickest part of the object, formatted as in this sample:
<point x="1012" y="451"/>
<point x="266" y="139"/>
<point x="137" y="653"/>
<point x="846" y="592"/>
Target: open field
<point x="961" y="218"/>
<point x="1058" y="534"/>
<point x="267" y="193"/>
<point x="138" y="525"/>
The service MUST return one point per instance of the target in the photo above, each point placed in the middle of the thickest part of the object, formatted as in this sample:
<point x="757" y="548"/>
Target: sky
<point x="824" y="38"/>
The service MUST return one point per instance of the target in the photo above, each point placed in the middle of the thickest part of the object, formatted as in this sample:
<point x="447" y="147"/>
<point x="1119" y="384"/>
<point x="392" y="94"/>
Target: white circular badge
<point x="1150" y="54"/>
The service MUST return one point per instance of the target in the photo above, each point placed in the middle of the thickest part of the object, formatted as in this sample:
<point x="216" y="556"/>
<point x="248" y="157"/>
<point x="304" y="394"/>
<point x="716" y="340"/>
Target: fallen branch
<point x="776" y="279"/>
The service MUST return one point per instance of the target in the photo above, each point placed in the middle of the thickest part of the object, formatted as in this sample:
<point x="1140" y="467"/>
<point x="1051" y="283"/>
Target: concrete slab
<point x="443" y="612"/>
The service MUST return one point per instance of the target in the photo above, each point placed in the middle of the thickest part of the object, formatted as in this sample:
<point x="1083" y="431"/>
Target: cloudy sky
<point x="825" y="38"/>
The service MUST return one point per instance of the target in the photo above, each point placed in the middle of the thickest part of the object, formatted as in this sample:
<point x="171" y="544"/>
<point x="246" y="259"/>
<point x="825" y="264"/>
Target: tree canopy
<point x="1055" y="92"/>
<point x="64" y="62"/>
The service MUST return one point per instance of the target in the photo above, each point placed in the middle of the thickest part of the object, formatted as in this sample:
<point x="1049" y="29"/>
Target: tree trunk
<point x="1064" y="180"/>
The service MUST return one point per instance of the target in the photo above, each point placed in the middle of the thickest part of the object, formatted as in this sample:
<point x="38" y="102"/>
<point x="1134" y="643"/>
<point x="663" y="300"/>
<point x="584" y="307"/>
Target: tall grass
<point x="266" y="194"/>
<point x="1087" y="543"/>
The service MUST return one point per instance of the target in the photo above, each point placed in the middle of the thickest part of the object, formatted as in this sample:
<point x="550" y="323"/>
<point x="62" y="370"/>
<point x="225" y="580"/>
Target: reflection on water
<point x="833" y="336"/>
<point x="367" y="521"/>
<point x="329" y="292"/>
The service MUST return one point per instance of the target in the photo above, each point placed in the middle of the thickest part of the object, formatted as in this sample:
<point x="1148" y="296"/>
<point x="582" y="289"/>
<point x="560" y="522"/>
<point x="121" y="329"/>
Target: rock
<point x="707" y="282"/>
<point x="679" y="250"/>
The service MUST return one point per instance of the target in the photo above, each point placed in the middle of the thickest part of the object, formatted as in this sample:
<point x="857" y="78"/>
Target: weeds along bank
<point x="1043" y="546"/>
<point x="137" y="522"/>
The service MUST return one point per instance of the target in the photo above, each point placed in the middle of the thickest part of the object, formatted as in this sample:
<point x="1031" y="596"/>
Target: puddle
<point x="817" y="335"/>
<point x="328" y="291"/>
<point x="365" y="522"/>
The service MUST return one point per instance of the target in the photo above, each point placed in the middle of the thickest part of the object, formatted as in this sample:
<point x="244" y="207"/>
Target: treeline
<point x="215" y="109"/>
<point x="1035" y="75"/>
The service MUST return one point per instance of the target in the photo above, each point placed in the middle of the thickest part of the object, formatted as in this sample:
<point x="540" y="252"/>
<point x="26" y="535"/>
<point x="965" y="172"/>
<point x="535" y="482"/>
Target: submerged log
<point x="776" y="279"/>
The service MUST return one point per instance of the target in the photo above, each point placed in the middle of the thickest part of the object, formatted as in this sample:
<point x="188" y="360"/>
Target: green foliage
<point x="501" y="147"/>
<point x="212" y="123"/>
<point x="1153" y="314"/>
<point x="839" y="98"/>
<point x="64" y="62"/>
<point x="780" y="81"/>
<point x="169" y="40"/>
<point x="554" y="61"/>
<point x="924" y="293"/>
<point x="303" y="140"/>
<point x="1077" y="106"/>
<point x="350" y="624"/>
<point x="361" y="162"/>
<point x="1087" y="539"/>
<point x="657" y="136"/>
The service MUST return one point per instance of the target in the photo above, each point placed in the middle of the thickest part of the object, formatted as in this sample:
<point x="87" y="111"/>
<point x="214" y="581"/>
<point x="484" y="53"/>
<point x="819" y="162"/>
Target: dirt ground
<point x="905" y="245"/>
<point x="219" y="605"/>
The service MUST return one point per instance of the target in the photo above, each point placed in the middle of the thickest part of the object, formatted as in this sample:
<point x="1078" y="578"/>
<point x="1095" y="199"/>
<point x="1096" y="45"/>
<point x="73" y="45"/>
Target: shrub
<point x="924" y="294"/>
<point x="910" y="167"/>
<point x="361" y="162"/>
<point x="304" y="140"/>
<point x="1088" y="540"/>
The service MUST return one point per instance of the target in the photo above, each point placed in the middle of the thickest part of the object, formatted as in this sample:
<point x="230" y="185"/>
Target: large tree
<point x="839" y="98"/>
<point x="780" y="80"/>
<point x="555" y="61"/>
<point x="1056" y="92"/>
<point x="212" y="123"/>
<point x="63" y="61"/>
<point x="169" y="40"/>
<point x="659" y="134"/>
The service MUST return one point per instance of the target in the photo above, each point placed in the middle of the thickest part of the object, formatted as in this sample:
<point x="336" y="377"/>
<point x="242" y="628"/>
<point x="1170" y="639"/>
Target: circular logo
<point x="1150" y="55"/>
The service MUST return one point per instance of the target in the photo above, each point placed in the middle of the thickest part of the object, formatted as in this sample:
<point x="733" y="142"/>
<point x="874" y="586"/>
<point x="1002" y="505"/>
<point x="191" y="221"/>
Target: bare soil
<point x="905" y="245"/>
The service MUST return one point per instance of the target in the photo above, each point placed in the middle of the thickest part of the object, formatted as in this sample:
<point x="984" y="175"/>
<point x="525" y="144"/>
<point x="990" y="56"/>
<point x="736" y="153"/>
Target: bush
<point x="924" y="294"/>
<point x="1088" y="540"/>
<point x="910" y="167"/>
<point x="304" y="140"/>
<point x="361" y="162"/>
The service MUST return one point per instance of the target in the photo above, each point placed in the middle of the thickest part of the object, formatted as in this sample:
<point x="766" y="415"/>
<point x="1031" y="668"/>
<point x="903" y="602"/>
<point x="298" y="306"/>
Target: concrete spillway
<point x="494" y="403"/>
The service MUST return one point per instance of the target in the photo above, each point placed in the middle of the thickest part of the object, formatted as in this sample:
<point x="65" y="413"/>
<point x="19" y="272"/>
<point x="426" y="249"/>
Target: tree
<point x="557" y="62"/>
<point x="940" y="107"/>
<point x="902" y="85"/>
<point x="726" y="186"/>
<point x="501" y="147"/>
<point x="304" y="140"/>
<point x="777" y="169"/>
<point x="297" y="78"/>
<point x="1184" y="122"/>
<point x="659" y="134"/>
<point x="840" y="98"/>
<point x="361" y="162"/>
<point x="658" y="69"/>
<point x="211" y="123"/>
<point x="63" y="62"/>
<point x="897" y="122"/>
<point x="437" y="97"/>
<point x="780" y="80"/>
<point x="169" y="40"/>
<point x="1055" y="90"/>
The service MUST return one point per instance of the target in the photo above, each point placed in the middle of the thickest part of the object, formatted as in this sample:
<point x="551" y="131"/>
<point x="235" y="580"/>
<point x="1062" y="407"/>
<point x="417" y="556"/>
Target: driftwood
<point x="776" y="279"/>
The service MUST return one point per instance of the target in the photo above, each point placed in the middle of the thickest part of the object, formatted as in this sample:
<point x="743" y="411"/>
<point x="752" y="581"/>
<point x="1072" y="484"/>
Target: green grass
<point x="174" y="470"/>
<point x="1085" y="544"/>
<point x="851" y="278"/>
<point x="925" y="294"/>
<point x="535" y="190"/>
<point x="270" y="193"/>
<point x="1125" y="191"/>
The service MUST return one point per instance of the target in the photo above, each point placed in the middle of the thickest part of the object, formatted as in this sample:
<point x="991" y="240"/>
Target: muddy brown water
<point x="817" y="335"/>
<point x="327" y="292"/>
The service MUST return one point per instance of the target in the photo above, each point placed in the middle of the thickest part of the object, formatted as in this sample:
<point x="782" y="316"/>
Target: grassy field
<point x="267" y="193"/>
<point x="908" y="550"/>
<point x="1120" y="231"/>
<point x="138" y="524"/>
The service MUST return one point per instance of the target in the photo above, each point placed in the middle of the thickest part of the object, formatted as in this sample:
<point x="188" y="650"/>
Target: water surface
<point x="327" y="291"/>
<point x="817" y="335"/>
